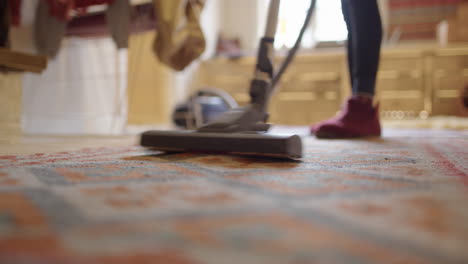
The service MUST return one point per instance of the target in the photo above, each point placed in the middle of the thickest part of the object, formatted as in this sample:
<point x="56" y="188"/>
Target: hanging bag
<point x="179" y="39"/>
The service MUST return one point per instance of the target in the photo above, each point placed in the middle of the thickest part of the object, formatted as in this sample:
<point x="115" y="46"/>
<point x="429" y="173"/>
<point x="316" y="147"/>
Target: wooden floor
<point x="11" y="144"/>
<point x="30" y="144"/>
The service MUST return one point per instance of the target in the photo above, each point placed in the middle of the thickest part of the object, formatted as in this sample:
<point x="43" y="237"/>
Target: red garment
<point x="61" y="9"/>
<point x="86" y="3"/>
<point x="15" y="12"/>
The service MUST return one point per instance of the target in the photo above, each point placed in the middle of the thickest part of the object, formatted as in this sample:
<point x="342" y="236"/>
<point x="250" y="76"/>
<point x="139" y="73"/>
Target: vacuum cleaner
<point x="242" y="130"/>
<point x="202" y="107"/>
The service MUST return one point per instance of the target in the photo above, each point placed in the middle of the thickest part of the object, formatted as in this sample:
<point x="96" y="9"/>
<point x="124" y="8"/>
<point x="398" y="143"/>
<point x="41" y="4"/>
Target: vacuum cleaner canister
<point x="256" y="144"/>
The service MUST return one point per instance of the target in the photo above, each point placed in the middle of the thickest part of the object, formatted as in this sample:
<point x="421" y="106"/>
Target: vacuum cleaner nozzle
<point x="256" y="144"/>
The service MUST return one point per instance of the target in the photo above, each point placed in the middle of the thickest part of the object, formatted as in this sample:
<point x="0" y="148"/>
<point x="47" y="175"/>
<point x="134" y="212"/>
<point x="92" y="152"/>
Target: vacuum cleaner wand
<point x="254" y="116"/>
<point x="263" y="85"/>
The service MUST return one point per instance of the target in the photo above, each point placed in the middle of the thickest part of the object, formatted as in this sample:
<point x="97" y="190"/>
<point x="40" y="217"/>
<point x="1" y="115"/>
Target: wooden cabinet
<point x="411" y="83"/>
<point x="400" y="84"/>
<point x="10" y="104"/>
<point x="231" y="76"/>
<point x="310" y="90"/>
<point x="450" y="75"/>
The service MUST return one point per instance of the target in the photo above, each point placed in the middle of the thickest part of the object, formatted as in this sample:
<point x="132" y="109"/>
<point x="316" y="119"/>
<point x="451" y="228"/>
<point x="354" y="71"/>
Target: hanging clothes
<point x="48" y="31"/>
<point x="118" y="19"/>
<point x="179" y="39"/>
<point x="62" y="9"/>
<point x="14" y="7"/>
<point x="95" y="25"/>
<point x="53" y="16"/>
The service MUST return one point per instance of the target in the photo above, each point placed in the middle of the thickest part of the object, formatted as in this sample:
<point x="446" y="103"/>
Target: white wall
<point x="239" y="18"/>
<point x="211" y="22"/>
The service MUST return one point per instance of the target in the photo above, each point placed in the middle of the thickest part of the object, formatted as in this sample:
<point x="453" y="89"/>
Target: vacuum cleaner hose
<point x="292" y="52"/>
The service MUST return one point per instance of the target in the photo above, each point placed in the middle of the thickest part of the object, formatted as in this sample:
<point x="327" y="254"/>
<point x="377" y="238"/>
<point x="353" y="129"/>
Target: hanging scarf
<point x="15" y="10"/>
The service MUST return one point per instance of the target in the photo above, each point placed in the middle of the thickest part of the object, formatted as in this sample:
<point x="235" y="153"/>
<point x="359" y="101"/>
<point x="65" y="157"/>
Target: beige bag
<point x="179" y="39"/>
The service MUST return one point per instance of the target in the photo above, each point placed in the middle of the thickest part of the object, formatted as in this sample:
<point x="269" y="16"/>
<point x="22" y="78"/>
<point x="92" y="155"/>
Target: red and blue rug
<point x="399" y="199"/>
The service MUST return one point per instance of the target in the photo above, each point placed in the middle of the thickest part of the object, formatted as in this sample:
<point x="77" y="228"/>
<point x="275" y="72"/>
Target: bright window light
<point x="291" y="17"/>
<point x="330" y="25"/>
<point x="327" y="23"/>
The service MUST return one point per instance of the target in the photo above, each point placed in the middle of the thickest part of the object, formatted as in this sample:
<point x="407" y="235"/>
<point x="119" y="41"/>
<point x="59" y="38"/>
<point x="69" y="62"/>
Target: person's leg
<point x="366" y="31"/>
<point x="349" y="42"/>
<point x="358" y="118"/>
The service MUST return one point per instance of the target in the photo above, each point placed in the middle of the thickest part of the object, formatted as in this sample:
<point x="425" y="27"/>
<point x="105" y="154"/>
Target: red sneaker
<point x="358" y="118"/>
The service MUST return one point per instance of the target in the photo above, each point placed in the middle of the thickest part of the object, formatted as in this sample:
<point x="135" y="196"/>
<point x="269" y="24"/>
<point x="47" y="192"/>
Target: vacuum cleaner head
<point x="256" y="144"/>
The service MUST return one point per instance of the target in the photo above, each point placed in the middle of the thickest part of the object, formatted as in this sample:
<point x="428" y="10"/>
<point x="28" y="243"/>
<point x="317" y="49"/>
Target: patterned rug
<point x="399" y="199"/>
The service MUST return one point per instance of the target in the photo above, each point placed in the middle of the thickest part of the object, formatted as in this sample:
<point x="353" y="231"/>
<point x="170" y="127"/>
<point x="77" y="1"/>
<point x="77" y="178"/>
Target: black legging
<point x="362" y="19"/>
